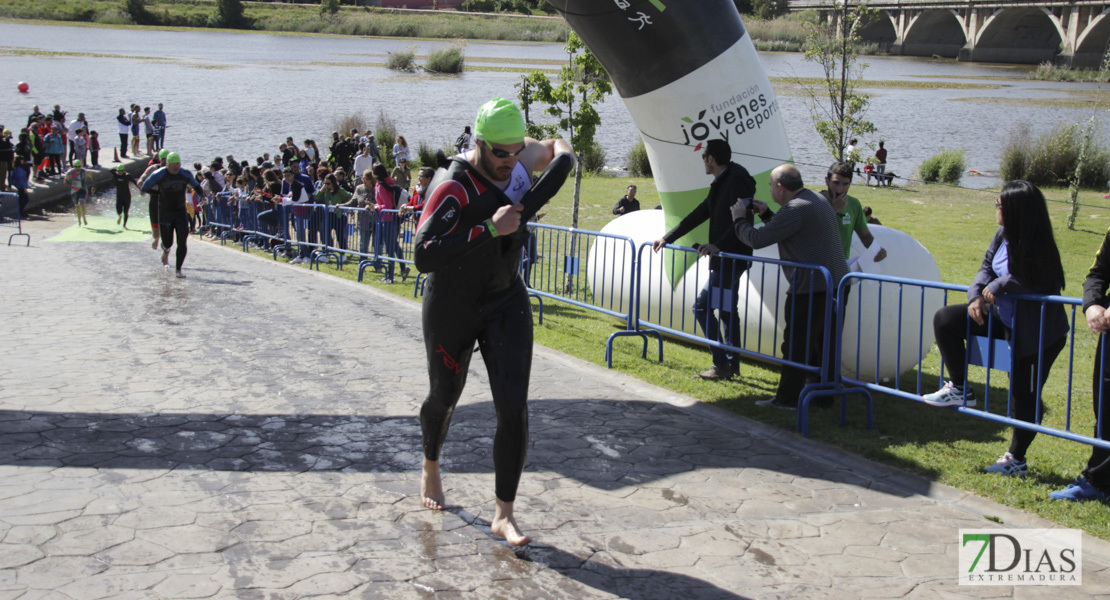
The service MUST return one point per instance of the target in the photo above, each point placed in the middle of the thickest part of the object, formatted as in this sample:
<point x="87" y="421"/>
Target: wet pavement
<point x="251" y="432"/>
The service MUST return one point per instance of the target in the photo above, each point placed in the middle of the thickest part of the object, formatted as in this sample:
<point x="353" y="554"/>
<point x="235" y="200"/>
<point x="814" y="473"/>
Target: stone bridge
<point x="1070" y="33"/>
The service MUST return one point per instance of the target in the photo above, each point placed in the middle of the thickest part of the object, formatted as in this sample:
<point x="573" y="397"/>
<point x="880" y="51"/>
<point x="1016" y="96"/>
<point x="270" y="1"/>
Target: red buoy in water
<point x="23" y="87"/>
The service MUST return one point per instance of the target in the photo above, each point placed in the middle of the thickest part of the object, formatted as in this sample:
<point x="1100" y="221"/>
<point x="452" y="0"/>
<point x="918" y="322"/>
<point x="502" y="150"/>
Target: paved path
<point x="250" y="432"/>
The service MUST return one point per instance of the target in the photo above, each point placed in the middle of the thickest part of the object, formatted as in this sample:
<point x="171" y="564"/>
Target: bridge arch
<point x="882" y="30"/>
<point x="1019" y="35"/>
<point x="1090" y="46"/>
<point x="934" y="32"/>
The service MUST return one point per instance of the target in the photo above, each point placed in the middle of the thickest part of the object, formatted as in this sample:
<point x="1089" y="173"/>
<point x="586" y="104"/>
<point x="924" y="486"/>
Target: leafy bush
<point x="1050" y="160"/>
<point x="638" y="163"/>
<point x="592" y="157"/>
<point x="404" y="60"/>
<point x="946" y="166"/>
<point x="385" y="132"/>
<point x="447" y="60"/>
<point x="426" y="155"/>
<point x="346" y="123"/>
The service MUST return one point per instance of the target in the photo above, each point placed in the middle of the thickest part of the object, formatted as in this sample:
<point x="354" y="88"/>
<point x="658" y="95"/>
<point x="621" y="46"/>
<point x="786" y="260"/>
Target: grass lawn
<point x="956" y="226"/>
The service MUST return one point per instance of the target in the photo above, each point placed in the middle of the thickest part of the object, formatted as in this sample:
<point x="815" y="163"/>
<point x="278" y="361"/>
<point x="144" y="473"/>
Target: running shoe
<point x="1009" y="466"/>
<point x="950" y="395"/>
<point x="1079" y="491"/>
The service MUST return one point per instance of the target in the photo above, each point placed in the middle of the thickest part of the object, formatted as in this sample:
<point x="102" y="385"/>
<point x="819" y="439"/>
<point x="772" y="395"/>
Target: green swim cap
<point x="163" y="153"/>
<point x="499" y="121"/>
<point x="76" y="163"/>
<point x="172" y="157"/>
<point x="120" y="168"/>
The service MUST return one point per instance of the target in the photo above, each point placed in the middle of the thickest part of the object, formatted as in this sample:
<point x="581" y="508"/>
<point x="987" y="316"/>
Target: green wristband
<point x="489" y="227"/>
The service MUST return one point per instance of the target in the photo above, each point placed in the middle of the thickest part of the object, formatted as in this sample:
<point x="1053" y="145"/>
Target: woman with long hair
<point x="1022" y="259"/>
<point x="400" y="150"/>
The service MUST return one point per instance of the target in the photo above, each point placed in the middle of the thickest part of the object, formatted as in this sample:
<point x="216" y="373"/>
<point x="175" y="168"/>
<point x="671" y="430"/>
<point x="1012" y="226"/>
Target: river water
<point x="243" y="93"/>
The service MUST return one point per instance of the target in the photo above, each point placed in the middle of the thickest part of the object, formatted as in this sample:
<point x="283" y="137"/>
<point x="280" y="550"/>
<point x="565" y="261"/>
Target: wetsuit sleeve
<point x="192" y="181"/>
<point x="439" y="239"/>
<point x="546" y="186"/>
<point x="153" y="179"/>
<point x="1094" y="286"/>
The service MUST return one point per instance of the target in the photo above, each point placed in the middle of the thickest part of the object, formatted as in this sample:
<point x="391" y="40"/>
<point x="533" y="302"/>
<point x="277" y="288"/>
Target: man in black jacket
<point x="731" y="182"/>
<point x="627" y="203"/>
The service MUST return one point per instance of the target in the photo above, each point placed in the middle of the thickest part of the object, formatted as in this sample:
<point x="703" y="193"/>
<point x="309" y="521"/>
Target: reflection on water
<point x="242" y="94"/>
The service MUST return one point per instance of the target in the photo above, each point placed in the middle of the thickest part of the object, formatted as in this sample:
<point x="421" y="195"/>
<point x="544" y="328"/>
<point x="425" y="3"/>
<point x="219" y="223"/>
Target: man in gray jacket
<point x="806" y="231"/>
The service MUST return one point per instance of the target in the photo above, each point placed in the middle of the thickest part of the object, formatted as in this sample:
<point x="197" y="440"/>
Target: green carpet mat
<point x="104" y="229"/>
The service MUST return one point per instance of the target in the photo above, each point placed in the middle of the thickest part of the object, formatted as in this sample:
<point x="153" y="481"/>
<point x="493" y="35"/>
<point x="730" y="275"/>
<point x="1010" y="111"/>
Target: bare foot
<point x="165" y="258"/>
<point x="504" y="525"/>
<point x="431" y="486"/>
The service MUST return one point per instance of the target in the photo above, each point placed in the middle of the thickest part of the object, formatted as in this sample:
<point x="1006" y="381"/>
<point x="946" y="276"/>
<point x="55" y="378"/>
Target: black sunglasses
<point x="499" y="153"/>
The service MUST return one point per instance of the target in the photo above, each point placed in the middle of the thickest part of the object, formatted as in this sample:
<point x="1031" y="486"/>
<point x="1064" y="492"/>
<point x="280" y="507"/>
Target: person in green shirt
<point x="849" y="212"/>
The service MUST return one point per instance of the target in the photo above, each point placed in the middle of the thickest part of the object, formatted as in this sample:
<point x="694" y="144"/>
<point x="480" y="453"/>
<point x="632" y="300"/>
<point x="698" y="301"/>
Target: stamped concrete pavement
<point x="251" y="432"/>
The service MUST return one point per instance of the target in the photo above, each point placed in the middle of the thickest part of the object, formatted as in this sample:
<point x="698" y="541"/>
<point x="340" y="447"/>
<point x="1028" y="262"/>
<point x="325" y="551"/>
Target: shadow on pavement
<point x="602" y="443"/>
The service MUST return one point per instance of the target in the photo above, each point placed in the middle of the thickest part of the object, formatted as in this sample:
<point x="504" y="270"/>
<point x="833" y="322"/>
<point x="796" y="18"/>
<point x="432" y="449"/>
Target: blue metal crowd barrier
<point x="590" y="270"/>
<point x="923" y="298"/>
<point x="319" y="233"/>
<point x="756" y="307"/>
<point x="10" y="216"/>
<point x="219" y="216"/>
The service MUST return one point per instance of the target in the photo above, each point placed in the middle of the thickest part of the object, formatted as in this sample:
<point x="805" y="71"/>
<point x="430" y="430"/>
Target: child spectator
<point x="94" y="149"/>
<point x="80" y="145"/>
<point x="55" y="148"/>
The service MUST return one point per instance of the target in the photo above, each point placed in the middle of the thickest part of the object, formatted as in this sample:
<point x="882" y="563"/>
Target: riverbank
<point x="1050" y="72"/>
<point x="54" y="193"/>
<point x="785" y="34"/>
<point x="299" y="18"/>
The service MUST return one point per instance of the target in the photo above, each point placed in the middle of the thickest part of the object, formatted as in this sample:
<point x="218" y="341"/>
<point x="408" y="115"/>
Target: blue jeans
<point x="724" y="284"/>
<point x="385" y="245"/>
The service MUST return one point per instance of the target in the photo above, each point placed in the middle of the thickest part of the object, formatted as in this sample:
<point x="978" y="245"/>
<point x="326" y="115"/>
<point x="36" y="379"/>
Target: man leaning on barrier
<point x="730" y="183"/>
<point x="805" y="230"/>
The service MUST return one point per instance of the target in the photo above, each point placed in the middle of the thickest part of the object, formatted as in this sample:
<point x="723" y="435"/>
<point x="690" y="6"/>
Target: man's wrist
<point x="491" y="228"/>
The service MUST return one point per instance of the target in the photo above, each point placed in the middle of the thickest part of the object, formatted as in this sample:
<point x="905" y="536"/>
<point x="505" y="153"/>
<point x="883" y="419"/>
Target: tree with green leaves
<point x="582" y="83"/>
<point x="836" y="107"/>
<point x="136" y="9"/>
<point x="329" y="7"/>
<point x="1076" y="178"/>
<point x="230" y="14"/>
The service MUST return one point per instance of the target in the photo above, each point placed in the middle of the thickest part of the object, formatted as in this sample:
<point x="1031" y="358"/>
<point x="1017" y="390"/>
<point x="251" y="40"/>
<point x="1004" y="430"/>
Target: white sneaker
<point x="950" y="395"/>
<point x="1008" y="466"/>
<point x="296" y="261"/>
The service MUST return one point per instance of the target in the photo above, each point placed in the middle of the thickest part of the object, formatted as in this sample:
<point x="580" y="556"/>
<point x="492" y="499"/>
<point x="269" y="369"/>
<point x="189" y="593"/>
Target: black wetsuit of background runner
<point x="123" y="193"/>
<point x="172" y="216"/>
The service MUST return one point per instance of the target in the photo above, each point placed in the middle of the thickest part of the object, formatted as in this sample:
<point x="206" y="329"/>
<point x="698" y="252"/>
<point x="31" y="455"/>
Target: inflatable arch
<point x="688" y="72"/>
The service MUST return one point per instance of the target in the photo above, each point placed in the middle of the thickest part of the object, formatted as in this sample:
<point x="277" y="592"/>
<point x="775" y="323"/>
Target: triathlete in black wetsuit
<point x="469" y="240"/>
<point x="172" y="182"/>
<point x="155" y="164"/>
<point x="123" y="183"/>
